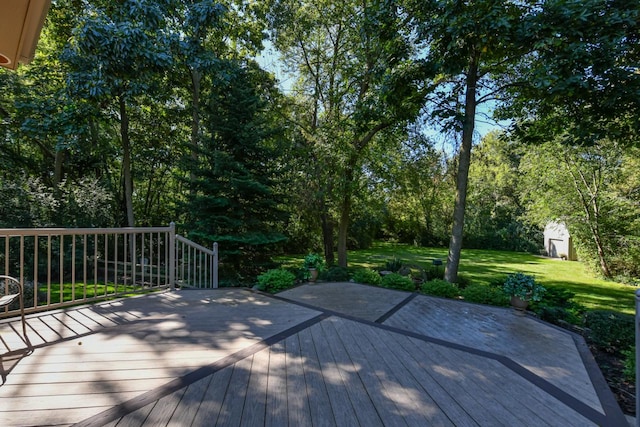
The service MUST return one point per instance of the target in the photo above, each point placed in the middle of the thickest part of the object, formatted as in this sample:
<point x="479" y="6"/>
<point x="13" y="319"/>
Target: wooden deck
<point x="303" y="358"/>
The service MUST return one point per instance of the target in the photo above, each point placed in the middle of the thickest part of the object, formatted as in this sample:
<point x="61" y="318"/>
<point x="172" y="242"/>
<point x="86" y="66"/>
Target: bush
<point x="557" y="306"/>
<point x="434" y="272"/>
<point x="629" y="363"/>
<point x="440" y="288"/>
<point x="394" y="265"/>
<point x="366" y="275"/>
<point x="611" y="331"/>
<point x="463" y="281"/>
<point x="483" y="294"/>
<point x="397" y="281"/>
<point x="336" y="274"/>
<point x="523" y="286"/>
<point x="313" y="260"/>
<point x="276" y="280"/>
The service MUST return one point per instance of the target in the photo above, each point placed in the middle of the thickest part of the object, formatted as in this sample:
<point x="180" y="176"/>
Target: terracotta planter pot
<point x="313" y="274"/>
<point x="518" y="303"/>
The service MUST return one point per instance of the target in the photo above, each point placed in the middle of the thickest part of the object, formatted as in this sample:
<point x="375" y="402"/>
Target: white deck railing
<point x="60" y="266"/>
<point x="197" y="266"/>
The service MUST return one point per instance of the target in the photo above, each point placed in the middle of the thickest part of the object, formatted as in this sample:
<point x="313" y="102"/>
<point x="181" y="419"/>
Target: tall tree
<point x="494" y="212"/>
<point x="234" y="201"/>
<point x="354" y="81"/>
<point x="588" y="189"/>
<point x="582" y="81"/>
<point x="471" y="44"/>
<point x="116" y="55"/>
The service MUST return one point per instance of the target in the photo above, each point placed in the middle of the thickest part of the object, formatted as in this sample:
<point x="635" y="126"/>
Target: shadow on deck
<point x="326" y="354"/>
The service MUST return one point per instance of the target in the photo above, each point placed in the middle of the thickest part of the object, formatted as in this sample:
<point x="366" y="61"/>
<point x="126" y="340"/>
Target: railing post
<point x="215" y="264"/>
<point x="637" y="356"/>
<point x="172" y="255"/>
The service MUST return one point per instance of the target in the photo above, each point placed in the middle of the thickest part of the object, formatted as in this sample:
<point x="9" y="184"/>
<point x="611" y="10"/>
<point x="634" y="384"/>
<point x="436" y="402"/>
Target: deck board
<point x="134" y="363"/>
<point x="547" y="352"/>
<point x="297" y="402"/>
<point x="374" y="374"/>
<point x="366" y="413"/>
<point x="236" y="392"/>
<point x="342" y="407"/>
<point x="188" y="407"/>
<point x="276" y="410"/>
<point x="253" y="413"/>
<point x="209" y="409"/>
<point x="319" y="404"/>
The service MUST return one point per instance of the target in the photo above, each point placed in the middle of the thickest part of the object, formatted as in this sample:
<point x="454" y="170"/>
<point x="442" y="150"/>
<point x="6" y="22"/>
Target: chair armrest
<point x="7" y="299"/>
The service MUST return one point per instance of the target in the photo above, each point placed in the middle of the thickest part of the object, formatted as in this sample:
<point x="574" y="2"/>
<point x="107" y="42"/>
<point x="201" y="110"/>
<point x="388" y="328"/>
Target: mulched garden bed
<point x="611" y="366"/>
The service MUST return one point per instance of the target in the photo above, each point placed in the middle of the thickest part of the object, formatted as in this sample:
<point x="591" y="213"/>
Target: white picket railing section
<point x="60" y="267"/>
<point x="197" y="266"/>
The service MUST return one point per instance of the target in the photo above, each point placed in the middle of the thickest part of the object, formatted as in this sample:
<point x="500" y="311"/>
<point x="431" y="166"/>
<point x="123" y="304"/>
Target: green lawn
<point x="482" y="266"/>
<point x="80" y="291"/>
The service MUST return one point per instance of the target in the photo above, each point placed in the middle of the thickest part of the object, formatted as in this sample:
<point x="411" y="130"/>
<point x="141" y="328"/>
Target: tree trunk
<point x="126" y="161"/>
<point x="592" y="213"/>
<point x="196" y="77"/>
<point x="464" y="161"/>
<point x="345" y="212"/>
<point x="327" y="238"/>
<point x="58" y="167"/>
<point x="343" y="229"/>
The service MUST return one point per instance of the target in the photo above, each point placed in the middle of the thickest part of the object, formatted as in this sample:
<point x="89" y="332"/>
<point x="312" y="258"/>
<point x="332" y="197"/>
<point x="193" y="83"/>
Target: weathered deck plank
<point x="236" y="392"/>
<point x="253" y="413"/>
<point x="545" y="351"/>
<point x="319" y="404"/>
<point x="374" y="374"/>
<point x="366" y="412"/>
<point x="297" y="402"/>
<point x="277" y="411"/>
<point x="209" y="409"/>
<point x="343" y="410"/>
<point x="141" y="362"/>
<point x="188" y="407"/>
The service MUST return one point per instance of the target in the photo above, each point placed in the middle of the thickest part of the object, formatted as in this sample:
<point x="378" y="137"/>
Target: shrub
<point x="523" y="286"/>
<point x="483" y="294"/>
<point x="609" y="330"/>
<point x="557" y="306"/>
<point x="463" y="281"/>
<point x="629" y="363"/>
<point x="276" y="280"/>
<point x="313" y="260"/>
<point x="394" y="265"/>
<point x="366" y="275"/>
<point x="440" y="288"/>
<point x="397" y="281"/>
<point x="336" y="274"/>
<point x="434" y="272"/>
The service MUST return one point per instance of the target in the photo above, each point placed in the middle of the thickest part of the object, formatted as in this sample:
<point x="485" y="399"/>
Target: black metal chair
<point x="11" y="290"/>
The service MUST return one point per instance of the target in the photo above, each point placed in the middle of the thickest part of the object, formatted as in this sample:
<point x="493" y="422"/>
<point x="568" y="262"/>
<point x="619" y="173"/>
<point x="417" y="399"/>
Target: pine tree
<point x="233" y="201"/>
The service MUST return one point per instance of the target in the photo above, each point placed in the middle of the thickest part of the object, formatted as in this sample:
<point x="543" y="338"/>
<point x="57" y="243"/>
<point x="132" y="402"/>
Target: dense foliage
<point x="142" y="112"/>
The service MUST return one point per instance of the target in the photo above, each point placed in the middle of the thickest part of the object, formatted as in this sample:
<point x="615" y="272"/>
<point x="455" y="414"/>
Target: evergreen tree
<point x="233" y="201"/>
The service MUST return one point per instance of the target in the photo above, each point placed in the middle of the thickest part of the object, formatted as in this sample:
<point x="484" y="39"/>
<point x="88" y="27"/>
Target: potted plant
<point x="522" y="288"/>
<point x="313" y="263"/>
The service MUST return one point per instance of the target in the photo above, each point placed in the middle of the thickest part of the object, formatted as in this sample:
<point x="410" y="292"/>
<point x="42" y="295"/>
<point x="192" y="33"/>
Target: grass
<point x="484" y="266"/>
<point x="78" y="290"/>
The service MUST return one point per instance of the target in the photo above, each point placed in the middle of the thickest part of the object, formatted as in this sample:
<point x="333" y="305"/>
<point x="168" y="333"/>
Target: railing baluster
<point x="73" y="268"/>
<point x="179" y="261"/>
<point x="61" y="284"/>
<point x="34" y="302"/>
<point x="95" y="264"/>
<point x="49" y="269"/>
<point x="84" y="266"/>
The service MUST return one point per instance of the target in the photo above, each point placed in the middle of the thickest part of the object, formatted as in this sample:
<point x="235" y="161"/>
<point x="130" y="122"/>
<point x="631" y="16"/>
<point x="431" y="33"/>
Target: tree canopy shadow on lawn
<point x="489" y="266"/>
